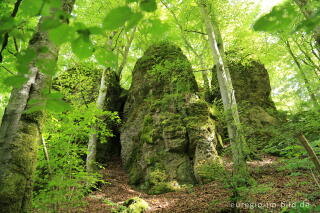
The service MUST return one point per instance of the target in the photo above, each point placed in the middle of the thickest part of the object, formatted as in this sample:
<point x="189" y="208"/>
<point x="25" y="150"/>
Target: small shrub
<point x="61" y="181"/>
<point x="212" y="172"/>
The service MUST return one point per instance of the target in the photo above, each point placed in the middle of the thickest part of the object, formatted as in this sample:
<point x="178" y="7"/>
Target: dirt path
<point x="274" y="188"/>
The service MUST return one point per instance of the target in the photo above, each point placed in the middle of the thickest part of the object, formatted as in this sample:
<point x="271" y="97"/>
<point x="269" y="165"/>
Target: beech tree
<point x="20" y="133"/>
<point x="235" y="132"/>
<point x="110" y="81"/>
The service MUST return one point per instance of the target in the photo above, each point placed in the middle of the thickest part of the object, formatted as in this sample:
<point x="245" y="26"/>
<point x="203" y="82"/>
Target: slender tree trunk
<point x="310" y="151"/>
<point x="110" y="81"/>
<point x="20" y="133"/>
<point x="229" y="102"/>
<point x="303" y="75"/>
<point x="46" y="154"/>
<point x="92" y="144"/>
<point x="126" y="52"/>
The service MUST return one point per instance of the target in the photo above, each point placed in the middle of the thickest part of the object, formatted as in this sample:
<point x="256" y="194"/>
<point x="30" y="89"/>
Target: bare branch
<point x="195" y="31"/>
<point x="202" y="70"/>
<point x="16" y="44"/>
<point x="126" y="51"/>
<point x="6" y="35"/>
<point x="9" y="71"/>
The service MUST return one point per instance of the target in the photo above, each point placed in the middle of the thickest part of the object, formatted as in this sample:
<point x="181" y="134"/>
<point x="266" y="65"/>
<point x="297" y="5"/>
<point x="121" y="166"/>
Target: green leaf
<point x="95" y="30"/>
<point x="49" y="23"/>
<point x="106" y="58"/>
<point x="55" y="3"/>
<point x="47" y="66"/>
<point x="148" y="5"/>
<point x="55" y="103"/>
<point x="61" y="34"/>
<point x="52" y="5"/>
<point x="52" y="102"/>
<point x="156" y="28"/>
<point x="134" y="20"/>
<point x="31" y="7"/>
<point x="15" y="81"/>
<point x="117" y="18"/>
<point x="55" y="95"/>
<point x="82" y="47"/>
<point x="6" y="23"/>
<point x="35" y="108"/>
<point x="281" y="18"/>
<point x="24" y="59"/>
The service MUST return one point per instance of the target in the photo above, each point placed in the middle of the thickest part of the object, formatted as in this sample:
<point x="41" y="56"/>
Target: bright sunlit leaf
<point x="106" y="58"/>
<point x="281" y="18"/>
<point x="117" y="18"/>
<point x="61" y="34"/>
<point x="82" y="47"/>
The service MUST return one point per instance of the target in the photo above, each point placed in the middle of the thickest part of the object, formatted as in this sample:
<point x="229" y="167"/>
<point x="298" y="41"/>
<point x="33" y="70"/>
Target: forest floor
<point x="275" y="190"/>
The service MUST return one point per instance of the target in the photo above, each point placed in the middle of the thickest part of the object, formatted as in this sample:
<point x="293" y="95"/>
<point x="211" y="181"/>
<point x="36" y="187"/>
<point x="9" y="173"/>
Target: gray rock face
<point x="169" y="135"/>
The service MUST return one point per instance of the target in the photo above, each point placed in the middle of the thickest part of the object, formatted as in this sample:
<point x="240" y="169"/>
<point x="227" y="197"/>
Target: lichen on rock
<point x="168" y="129"/>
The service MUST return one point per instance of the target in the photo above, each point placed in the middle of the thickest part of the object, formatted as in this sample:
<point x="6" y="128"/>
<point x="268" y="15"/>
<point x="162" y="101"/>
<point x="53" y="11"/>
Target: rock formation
<point x="169" y="135"/>
<point x="253" y="94"/>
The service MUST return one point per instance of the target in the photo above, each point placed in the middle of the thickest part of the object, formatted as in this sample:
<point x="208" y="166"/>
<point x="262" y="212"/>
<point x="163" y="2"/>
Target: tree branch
<point x="126" y="51"/>
<point x="311" y="62"/>
<point x="310" y="151"/>
<point x="195" y="31"/>
<point x="202" y="70"/>
<point x="116" y="43"/>
<point x="6" y="35"/>
<point x="7" y="70"/>
<point x="16" y="44"/>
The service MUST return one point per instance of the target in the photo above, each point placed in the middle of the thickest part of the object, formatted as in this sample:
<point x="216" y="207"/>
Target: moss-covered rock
<point x="251" y="83"/>
<point x="168" y="129"/>
<point x="133" y="205"/>
<point x="253" y="94"/>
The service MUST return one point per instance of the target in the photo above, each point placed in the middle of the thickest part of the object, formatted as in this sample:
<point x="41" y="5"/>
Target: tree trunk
<point x="310" y="151"/>
<point x="229" y="102"/>
<point x="303" y="75"/>
<point x="108" y="99"/>
<point x="92" y="144"/>
<point x="20" y="133"/>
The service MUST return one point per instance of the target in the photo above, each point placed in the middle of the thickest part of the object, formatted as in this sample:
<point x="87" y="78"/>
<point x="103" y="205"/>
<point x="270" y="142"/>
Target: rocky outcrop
<point x="251" y="83"/>
<point x="253" y="94"/>
<point x="169" y="134"/>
